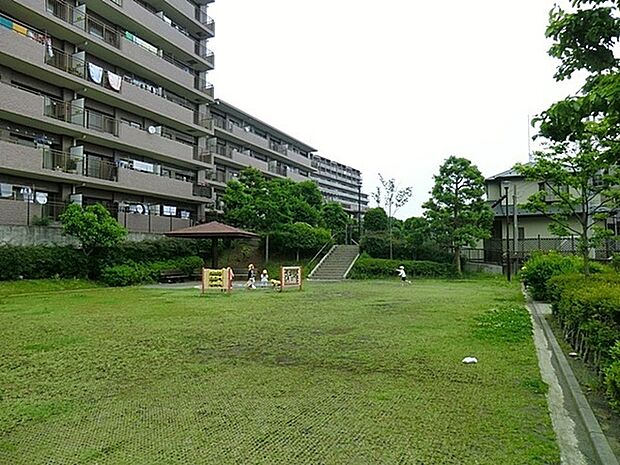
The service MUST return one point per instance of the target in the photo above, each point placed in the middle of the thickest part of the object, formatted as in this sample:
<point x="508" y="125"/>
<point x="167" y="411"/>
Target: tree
<point x="334" y="218"/>
<point x="375" y="220"/>
<point x="391" y="198"/>
<point x="93" y="226"/>
<point x="456" y="211"/>
<point x="578" y="165"/>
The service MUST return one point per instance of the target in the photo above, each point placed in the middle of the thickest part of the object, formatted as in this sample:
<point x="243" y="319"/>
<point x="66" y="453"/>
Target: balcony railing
<point x="205" y="53"/>
<point x="70" y="113"/>
<point x="205" y="156"/>
<point x="86" y="165"/>
<point x="84" y="21"/>
<point x="79" y="68"/>
<point x="206" y="122"/>
<point x="206" y="20"/>
<point x="281" y="170"/>
<point x="202" y="191"/>
<point x="205" y="87"/>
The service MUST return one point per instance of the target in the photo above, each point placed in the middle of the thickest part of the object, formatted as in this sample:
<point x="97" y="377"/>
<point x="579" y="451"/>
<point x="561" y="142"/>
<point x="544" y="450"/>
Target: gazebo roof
<point x="212" y="230"/>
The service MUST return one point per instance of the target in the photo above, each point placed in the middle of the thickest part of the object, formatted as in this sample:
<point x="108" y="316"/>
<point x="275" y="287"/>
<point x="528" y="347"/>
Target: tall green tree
<point x="92" y="226"/>
<point x="391" y="198"/>
<point x="334" y="218"/>
<point x="581" y="133"/>
<point x="457" y="212"/>
<point x="375" y="220"/>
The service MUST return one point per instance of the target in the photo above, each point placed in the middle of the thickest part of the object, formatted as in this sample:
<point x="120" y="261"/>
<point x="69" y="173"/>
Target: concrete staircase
<point x="336" y="264"/>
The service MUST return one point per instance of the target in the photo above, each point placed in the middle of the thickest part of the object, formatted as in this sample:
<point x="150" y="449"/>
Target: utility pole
<point x="506" y="186"/>
<point x="515" y="222"/>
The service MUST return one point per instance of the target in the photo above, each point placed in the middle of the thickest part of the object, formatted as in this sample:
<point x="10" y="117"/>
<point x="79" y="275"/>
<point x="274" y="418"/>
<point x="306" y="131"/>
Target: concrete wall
<point x="482" y="267"/>
<point x="38" y="235"/>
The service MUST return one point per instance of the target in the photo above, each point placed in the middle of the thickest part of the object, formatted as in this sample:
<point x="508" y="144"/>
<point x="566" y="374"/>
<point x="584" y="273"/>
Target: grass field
<point x="351" y="373"/>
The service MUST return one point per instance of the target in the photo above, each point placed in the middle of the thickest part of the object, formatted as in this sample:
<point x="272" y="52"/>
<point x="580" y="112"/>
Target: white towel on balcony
<point x="115" y="81"/>
<point x="95" y="72"/>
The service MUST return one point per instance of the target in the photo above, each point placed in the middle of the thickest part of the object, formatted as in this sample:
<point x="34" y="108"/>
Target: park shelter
<point x="214" y="231"/>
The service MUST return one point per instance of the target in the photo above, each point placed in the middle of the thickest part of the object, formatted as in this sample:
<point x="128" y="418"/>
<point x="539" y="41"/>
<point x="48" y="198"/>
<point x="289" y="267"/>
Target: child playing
<point x="251" y="277"/>
<point x="402" y="275"/>
<point x="264" y="277"/>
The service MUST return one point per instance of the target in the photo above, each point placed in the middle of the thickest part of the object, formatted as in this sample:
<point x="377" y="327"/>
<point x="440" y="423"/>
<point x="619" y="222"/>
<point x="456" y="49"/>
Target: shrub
<point x="612" y="377"/>
<point x="542" y="267"/>
<point x="126" y="275"/>
<point x="132" y="273"/>
<point x="376" y="268"/>
<point x="41" y="262"/>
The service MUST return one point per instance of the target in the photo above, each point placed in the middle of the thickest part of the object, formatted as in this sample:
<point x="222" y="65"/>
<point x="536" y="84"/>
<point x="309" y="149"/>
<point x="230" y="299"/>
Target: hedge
<point x="377" y="245"/>
<point x="588" y="311"/>
<point x="132" y="273"/>
<point x="541" y="267"/>
<point x="376" y="268"/>
<point x="44" y="262"/>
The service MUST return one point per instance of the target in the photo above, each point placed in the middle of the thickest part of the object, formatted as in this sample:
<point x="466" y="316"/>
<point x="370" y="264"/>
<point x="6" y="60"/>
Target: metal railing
<point x="205" y="156"/>
<point x="205" y="121"/>
<point x="203" y="52"/>
<point x="84" y="21"/>
<point x="72" y="65"/>
<point x="202" y="191"/>
<point x="206" y="20"/>
<point x="281" y="170"/>
<point x="205" y="87"/>
<point x="86" y="165"/>
<point x="70" y="113"/>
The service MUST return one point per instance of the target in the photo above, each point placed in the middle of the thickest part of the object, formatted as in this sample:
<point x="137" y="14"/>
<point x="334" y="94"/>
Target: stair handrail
<point x="351" y="266"/>
<point x="322" y="260"/>
<point x="331" y="239"/>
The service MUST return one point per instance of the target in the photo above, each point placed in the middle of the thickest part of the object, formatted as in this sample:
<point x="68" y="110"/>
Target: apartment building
<point x="241" y="140"/>
<point x="106" y="101"/>
<point x="340" y="183"/>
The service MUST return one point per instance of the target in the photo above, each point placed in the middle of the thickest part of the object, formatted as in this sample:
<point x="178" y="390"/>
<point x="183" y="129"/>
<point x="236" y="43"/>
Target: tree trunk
<point x="457" y="259"/>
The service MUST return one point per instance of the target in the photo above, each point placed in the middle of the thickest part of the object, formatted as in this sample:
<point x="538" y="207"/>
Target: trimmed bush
<point x="612" y="377"/>
<point x="128" y="274"/>
<point x="42" y="262"/>
<point x="377" y="268"/>
<point x="132" y="273"/>
<point x="588" y="310"/>
<point x="540" y="268"/>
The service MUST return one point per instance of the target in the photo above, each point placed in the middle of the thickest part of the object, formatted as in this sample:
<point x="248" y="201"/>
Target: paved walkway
<point x="578" y="432"/>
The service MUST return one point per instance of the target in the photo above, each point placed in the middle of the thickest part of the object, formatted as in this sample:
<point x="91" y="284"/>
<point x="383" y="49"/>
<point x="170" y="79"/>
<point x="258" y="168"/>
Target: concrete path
<point x="579" y="434"/>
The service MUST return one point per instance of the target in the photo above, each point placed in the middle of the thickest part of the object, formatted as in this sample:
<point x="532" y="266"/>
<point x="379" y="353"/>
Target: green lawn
<point x="353" y="373"/>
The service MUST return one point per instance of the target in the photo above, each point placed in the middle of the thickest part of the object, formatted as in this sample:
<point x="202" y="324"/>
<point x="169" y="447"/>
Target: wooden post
<point x="301" y="277"/>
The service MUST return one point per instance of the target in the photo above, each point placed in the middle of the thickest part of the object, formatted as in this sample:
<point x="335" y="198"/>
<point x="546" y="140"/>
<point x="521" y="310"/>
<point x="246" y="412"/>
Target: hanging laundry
<point x="6" y="22"/>
<point x="95" y="72"/>
<point x="50" y="50"/>
<point x="115" y="81"/>
<point x="20" y="29"/>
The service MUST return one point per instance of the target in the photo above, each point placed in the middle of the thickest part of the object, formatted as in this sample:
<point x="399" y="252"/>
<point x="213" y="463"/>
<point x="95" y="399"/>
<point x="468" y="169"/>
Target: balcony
<point x="147" y="59"/>
<point x="248" y="136"/>
<point x="157" y="144"/>
<point x="150" y="183"/>
<point x="79" y="18"/>
<point x="207" y="22"/>
<point x="205" y="192"/>
<point x="69" y="112"/>
<point x="207" y="55"/>
<point x="135" y="222"/>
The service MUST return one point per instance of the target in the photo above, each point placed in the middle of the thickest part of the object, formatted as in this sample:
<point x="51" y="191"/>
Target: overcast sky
<point x="392" y="86"/>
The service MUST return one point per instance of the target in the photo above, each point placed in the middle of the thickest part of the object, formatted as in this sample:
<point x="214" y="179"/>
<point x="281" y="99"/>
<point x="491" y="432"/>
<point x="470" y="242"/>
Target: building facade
<point x="242" y="140"/>
<point x="340" y="183"/>
<point x="105" y="102"/>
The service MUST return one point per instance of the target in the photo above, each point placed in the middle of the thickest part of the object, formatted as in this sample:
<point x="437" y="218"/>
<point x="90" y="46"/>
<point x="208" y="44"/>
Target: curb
<point x="597" y="439"/>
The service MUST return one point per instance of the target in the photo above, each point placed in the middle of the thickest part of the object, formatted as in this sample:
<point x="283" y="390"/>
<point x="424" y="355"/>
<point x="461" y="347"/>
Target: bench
<point x="177" y="276"/>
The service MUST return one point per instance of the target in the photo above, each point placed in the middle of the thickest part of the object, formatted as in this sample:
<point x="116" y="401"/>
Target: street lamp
<point x="506" y="186"/>
<point x="359" y="210"/>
